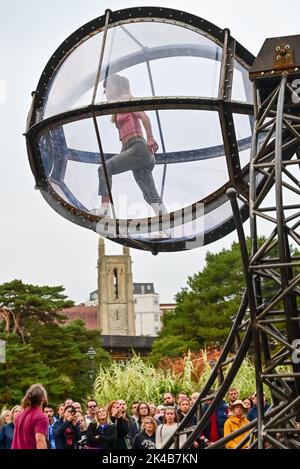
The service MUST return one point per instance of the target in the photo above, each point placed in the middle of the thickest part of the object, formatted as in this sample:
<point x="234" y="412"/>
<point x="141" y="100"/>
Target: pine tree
<point x="20" y="301"/>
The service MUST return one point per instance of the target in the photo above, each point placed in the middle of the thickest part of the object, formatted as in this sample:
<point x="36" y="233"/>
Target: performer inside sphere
<point x="137" y="154"/>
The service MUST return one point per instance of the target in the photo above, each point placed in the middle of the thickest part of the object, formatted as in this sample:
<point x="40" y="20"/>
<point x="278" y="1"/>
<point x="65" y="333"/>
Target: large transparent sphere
<point x="176" y="67"/>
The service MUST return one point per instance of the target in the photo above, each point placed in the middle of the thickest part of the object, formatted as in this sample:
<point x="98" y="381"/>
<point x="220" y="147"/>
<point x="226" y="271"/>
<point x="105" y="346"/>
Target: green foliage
<point x="56" y="356"/>
<point x="65" y="349"/>
<point x="20" y="301"/>
<point x="40" y="349"/>
<point x="204" y="307"/>
<point x="138" y="380"/>
<point x="207" y="304"/>
<point x="23" y="367"/>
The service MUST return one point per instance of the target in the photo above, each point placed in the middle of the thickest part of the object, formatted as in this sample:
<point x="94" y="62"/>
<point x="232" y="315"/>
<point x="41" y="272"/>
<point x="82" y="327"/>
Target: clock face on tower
<point x="141" y="121"/>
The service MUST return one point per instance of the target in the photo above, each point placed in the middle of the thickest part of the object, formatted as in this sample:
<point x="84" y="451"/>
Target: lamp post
<point x="91" y="354"/>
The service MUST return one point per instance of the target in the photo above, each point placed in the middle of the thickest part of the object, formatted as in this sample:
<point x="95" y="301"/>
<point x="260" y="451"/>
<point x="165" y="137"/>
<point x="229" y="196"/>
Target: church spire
<point x="126" y="251"/>
<point x="101" y="248"/>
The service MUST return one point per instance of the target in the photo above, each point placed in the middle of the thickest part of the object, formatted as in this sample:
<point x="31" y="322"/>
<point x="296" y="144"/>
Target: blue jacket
<point x="252" y="414"/>
<point x="6" y="436"/>
<point x="51" y="436"/>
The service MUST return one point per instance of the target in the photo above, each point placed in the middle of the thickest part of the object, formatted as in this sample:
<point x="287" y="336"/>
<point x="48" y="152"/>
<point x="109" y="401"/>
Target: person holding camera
<point x="122" y="425"/>
<point x="66" y="430"/>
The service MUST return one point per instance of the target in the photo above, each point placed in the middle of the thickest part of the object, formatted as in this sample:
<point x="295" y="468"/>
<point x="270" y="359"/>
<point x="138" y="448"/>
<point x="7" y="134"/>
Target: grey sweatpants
<point x="134" y="157"/>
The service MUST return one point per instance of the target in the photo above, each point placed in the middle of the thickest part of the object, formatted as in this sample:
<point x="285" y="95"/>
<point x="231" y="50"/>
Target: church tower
<point x="116" y="314"/>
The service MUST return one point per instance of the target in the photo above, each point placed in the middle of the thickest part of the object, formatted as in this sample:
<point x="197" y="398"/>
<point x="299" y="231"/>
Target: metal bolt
<point x="288" y="56"/>
<point x="278" y="57"/>
<point x="287" y="47"/>
<point x="278" y="48"/>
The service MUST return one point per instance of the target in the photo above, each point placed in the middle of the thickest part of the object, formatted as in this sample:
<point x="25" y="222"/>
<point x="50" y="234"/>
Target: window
<point x="148" y="287"/>
<point x="116" y="288"/>
<point x="143" y="288"/>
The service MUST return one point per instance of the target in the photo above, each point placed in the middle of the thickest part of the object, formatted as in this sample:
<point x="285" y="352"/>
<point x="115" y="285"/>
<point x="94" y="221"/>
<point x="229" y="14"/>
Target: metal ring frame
<point x="222" y="104"/>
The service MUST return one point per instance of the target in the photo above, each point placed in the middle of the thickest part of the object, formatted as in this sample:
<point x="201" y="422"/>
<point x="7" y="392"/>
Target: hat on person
<point x="237" y="402"/>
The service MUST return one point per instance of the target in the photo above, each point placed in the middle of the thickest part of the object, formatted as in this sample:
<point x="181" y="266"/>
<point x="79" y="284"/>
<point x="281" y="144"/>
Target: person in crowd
<point x="160" y="413"/>
<point x="248" y="403"/>
<point x="152" y="408"/>
<point x="77" y="406"/>
<point x="166" y="429"/>
<point x="232" y="396"/>
<point x="91" y="410"/>
<point x="68" y="402"/>
<point x="7" y="431"/>
<point x="146" y="438"/>
<point x="143" y="411"/>
<point x="234" y="422"/>
<point x="215" y="428"/>
<point x="66" y="431"/>
<point x="5" y="417"/>
<point x="134" y="412"/>
<point x="60" y="409"/>
<point x="31" y="426"/>
<point x="48" y="411"/>
<point x="101" y="433"/>
<point x="182" y="411"/>
<point x="181" y="395"/>
<point x="169" y="399"/>
<point x="122" y="426"/>
<point x="194" y="397"/>
<point x="132" y="423"/>
<point x="81" y="422"/>
<point x="252" y="413"/>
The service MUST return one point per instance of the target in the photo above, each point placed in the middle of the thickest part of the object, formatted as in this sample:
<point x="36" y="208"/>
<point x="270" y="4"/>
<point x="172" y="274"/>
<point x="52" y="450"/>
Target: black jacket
<point x="102" y="436"/>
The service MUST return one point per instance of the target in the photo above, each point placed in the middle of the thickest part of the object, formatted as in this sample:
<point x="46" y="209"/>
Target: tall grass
<point x="139" y="380"/>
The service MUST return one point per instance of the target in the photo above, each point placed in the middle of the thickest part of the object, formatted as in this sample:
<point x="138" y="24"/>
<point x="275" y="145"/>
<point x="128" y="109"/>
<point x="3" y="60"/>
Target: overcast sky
<point x="37" y="245"/>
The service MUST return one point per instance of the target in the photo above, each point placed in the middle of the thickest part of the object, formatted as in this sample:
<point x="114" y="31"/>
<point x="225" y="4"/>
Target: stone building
<point x="128" y="314"/>
<point x="116" y="314"/>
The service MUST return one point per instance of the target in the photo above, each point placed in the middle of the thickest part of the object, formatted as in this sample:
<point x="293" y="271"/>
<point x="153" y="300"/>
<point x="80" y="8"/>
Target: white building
<point x="146" y="306"/>
<point x="147" y="310"/>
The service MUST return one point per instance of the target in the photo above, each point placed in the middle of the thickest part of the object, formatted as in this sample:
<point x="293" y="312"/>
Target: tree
<point x="65" y="348"/>
<point x="23" y="367"/>
<point x="55" y="356"/>
<point x="40" y="347"/>
<point x="205" y="307"/>
<point x="19" y="301"/>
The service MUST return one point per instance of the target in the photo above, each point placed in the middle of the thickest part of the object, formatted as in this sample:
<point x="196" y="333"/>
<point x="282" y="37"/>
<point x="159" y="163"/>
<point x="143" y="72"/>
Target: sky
<point x="37" y="245"/>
